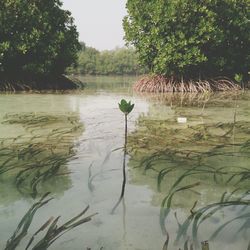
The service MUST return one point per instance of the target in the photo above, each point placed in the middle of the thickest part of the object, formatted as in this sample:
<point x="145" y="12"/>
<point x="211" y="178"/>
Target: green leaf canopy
<point x="36" y="37"/>
<point x="190" y="38"/>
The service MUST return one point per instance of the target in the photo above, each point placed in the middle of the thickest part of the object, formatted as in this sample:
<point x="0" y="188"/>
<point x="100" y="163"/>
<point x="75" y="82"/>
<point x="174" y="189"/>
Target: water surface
<point x="202" y="161"/>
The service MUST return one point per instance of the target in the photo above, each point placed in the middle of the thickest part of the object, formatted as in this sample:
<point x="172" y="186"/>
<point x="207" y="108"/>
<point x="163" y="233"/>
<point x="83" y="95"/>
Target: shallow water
<point x="214" y="142"/>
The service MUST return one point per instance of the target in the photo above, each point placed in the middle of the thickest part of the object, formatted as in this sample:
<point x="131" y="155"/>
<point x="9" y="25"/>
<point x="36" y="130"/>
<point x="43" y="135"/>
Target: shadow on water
<point x="199" y="164"/>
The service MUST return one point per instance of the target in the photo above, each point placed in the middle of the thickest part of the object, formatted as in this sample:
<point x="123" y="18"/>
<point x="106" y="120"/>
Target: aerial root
<point x="160" y="83"/>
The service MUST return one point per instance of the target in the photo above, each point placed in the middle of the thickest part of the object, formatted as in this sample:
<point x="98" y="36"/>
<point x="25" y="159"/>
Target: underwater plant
<point x="54" y="231"/>
<point x="198" y="170"/>
<point x="187" y="245"/>
<point x="32" y="158"/>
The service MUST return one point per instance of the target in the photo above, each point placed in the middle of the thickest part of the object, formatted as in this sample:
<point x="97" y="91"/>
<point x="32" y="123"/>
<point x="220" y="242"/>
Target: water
<point x="212" y="146"/>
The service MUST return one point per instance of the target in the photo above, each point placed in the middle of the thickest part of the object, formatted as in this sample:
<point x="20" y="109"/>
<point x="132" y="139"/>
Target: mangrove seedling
<point x="126" y="108"/>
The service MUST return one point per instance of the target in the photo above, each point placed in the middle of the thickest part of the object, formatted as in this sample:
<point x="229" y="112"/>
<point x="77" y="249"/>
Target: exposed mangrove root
<point x="29" y="83"/>
<point x="161" y="84"/>
<point x="193" y="99"/>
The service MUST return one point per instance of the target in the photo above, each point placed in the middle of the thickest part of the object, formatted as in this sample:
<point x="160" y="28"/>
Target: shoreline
<point x="50" y="83"/>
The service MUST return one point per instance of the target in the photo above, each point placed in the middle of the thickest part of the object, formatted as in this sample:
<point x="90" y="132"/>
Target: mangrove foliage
<point x="38" y="41"/>
<point x="183" y="40"/>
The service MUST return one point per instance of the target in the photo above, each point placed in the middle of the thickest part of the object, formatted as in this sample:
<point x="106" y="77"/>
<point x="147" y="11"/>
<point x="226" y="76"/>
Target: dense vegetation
<point x="190" y="39"/>
<point x="37" y="38"/>
<point x="120" y="61"/>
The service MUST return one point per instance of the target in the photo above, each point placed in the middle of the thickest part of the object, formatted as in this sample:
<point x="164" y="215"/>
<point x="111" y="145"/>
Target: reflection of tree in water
<point x="36" y="161"/>
<point x="200" y="167"/>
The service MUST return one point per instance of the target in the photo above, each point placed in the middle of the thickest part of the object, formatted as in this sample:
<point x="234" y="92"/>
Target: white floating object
<point x="182" y="119"/>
